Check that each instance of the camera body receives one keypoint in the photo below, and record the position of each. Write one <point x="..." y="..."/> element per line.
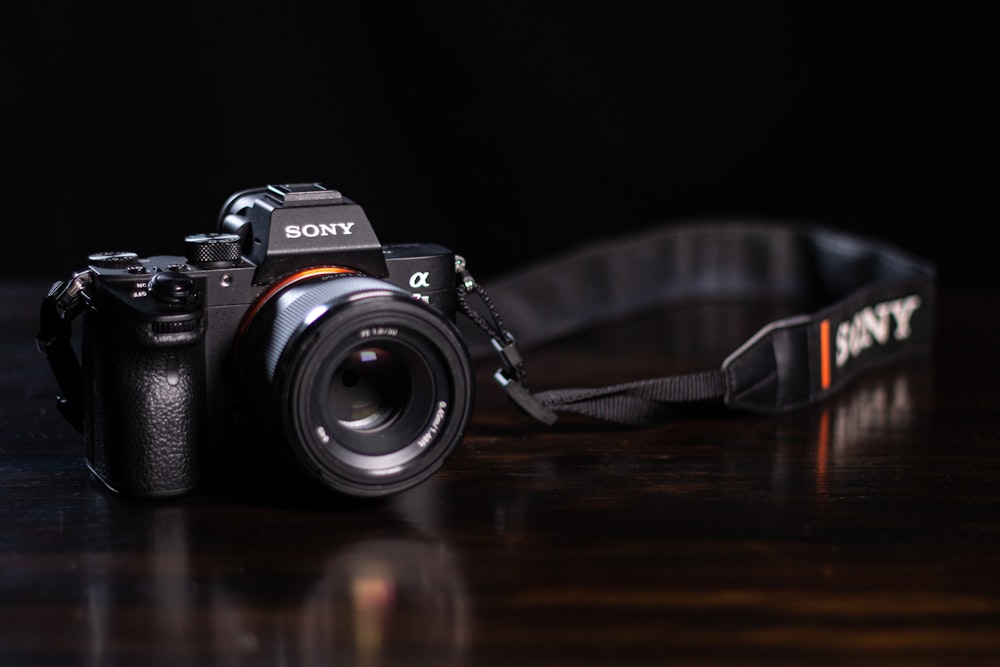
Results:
<point x="292" y="324"/>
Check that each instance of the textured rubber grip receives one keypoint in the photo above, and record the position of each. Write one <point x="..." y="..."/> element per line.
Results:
<point x="145" y="407"/>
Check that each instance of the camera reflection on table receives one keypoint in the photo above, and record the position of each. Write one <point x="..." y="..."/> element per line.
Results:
<point x="350" y="597"/>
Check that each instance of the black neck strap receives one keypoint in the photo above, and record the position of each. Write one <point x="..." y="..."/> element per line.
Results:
<point x="879" y="309"/>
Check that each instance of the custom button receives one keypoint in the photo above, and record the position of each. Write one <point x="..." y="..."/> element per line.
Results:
<point x="172" y="287"/>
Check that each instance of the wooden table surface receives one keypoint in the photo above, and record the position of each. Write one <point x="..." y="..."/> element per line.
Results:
<point x="864" y="531"/>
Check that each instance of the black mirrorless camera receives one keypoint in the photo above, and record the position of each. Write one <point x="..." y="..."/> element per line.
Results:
<point x="291" y="324"/>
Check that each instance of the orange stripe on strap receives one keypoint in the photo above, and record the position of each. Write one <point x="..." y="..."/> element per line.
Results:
<point x="824" y="353"/>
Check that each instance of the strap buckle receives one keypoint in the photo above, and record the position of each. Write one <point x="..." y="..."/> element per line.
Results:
<point x="524" y="399"/>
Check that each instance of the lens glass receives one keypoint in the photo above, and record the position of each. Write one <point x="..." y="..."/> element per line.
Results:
<point x="379" y="394"/>
<point x="369" y="389"/>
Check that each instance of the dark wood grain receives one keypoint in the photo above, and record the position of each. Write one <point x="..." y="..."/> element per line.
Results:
<point x="865" y="531"/>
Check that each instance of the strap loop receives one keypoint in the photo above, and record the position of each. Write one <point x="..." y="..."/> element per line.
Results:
<point x="64" y="302"/>
<point x="524" y="399"/>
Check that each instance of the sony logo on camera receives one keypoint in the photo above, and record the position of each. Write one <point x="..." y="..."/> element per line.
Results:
<point x="323" y="229"/>
<point x="306" y="224"/>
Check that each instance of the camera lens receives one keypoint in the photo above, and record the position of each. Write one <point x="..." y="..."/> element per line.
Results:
<point x="373" y="386"/>
<point x="369" y="388"/>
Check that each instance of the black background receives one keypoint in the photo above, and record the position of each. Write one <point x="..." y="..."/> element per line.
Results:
<point x="503" y="130"/>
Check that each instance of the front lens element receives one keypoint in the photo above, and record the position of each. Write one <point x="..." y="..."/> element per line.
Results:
<point x="370" y="388"/>
<point x="374" y="386"/>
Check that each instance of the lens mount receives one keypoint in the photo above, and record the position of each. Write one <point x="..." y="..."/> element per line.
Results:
<point x="370" y="388"/>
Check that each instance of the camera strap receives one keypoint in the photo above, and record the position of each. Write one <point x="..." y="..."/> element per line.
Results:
<point x="878" y="308"/>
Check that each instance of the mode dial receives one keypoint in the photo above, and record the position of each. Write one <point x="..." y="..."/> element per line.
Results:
<point x="114" y="259"/>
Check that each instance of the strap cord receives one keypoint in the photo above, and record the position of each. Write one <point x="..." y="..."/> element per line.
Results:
<point x="511" y="377"/>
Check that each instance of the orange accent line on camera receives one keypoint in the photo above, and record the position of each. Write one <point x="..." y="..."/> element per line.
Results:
<point x="824" y="354"/>
<point x="282" y="284"/>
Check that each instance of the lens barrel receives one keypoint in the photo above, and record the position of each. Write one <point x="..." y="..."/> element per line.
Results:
<point x="368" y="387"/>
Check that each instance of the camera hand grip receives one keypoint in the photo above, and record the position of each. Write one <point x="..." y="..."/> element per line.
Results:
<point x="146" y="407"/>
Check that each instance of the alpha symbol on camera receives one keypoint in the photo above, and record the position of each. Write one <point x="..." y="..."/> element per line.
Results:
<point x="419" y="279"/>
